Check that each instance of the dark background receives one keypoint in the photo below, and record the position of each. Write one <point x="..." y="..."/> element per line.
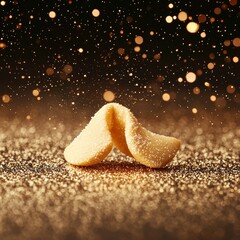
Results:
<point x="32" y="42"/>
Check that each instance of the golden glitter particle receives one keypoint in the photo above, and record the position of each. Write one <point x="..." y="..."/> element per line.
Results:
<point x="192" y="27"/>
<point x="212" y="20"/>
<point x="224" y="7"/>
<point x="3" y="3"/>
<point x="67" y="69"/>
<point x="108" y="96"/>
<point x="191" y="77"/>
<point x="137" y="49"/>
<point x="50" y="71"/>
<point x="52" y="14"/>
<point x="169" y="19"/>
<point x="151" y="33"/>
<point x="80" y="50"/>
<point x="166" y="97"/>
<point x="2" y="45"/>
<point x="170" y="5"/>
<point x="121" y="32"/>
<point x="227" y="43"/>
<point x="199" y="72"/>
<point x="213" y="98"/>
<point x="202" y="18"/>
<point x="231" y="89"/>
<point x="236" y="42"/>
<point x="233" y="2"/>
<point x="207" y="84"/>
<point x="210" y="65"/>
<point x="196" y="90"/>
<point x="182" y="16"/>
<point x="121" y="51"/>
<point x="180" y="79"/>
<point x="217" y="11"/>
<point x="139" y="40"/>
<point x="144" y="55"/>
<point x="126" y="57"/>
<point x="194" y="110"/>
<point x="203" y="34"/>
<point x="95" y="12"/>
<point x="28" y="117"/>
<point x="35" y="92"/>
<point x="38" y="98"/>
<point x="212" y="56"/>
<point x="6" y="98"/>
<point x="235" y="59"/>
<point x="157" y="57"/>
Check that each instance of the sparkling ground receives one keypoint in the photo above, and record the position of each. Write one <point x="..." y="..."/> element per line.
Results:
<point x="196" y="197"/>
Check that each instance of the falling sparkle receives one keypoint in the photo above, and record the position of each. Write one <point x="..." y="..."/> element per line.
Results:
<point x="95" y="12"/>
<point x="52" y="14"/>
<point x="192" y="27"/>
<point x="191" y="77"/>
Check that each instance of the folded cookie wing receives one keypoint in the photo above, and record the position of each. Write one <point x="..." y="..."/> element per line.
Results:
<point x="115" y="125"/>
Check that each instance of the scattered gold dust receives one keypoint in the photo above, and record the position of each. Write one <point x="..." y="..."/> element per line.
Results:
<point x="3" y="3"/>
<point x="210" y="65"/>
<point x="157" y="57"/>
<point x="6" y="98"/>
<point x="49" y="71"/>
<point x="144" y="55"/>
<point x="207" y="84"/>
<point x="139" y="40"/>
<point x="182" y="16"/>
<point x="169" y="19"/>
<point x="2" y="45"/>
<point x="196" y="90"/>
<point x="191" y="77"/>
<point x="35" y="92"/>
<point x="199" y="72"/>
<point x="202" y="18"/>
<point x="180" y="79"/>
<point x="212" y="20"/>
<point x="203" y="34"/>
<point x="137" y="49"/>
<point x="192" y="27"/>
<point x="151" y="33"/>
<point x="217" y="11"/>
<point x="194" y="110"/>
<point x="233" y="2"/>
<point x="236" y="42"/>
<point x="231" y="89"/>
<point x="170" y="5"/>
<point x="166" y="97"/>
<point x="52" y="14"/>
<point x="95" y="12"/>
<point x="213" y="98"/>
<point x="67" y="69"/>
<point x="227" y="43"/>
<point x="121" y="51"/>
<point x="235" y="59"/>
<point x="80" y="50"/>
<point x="109" y="96"/>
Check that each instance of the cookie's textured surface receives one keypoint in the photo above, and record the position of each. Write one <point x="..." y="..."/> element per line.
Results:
<point x="196" y="197"/>
<point x="114" y="124"/>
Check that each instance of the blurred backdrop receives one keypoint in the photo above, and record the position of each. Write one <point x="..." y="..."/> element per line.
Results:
<point x="161" y="55"/>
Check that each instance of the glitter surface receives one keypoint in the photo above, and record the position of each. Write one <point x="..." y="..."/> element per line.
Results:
<point x="196" y="196"/>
